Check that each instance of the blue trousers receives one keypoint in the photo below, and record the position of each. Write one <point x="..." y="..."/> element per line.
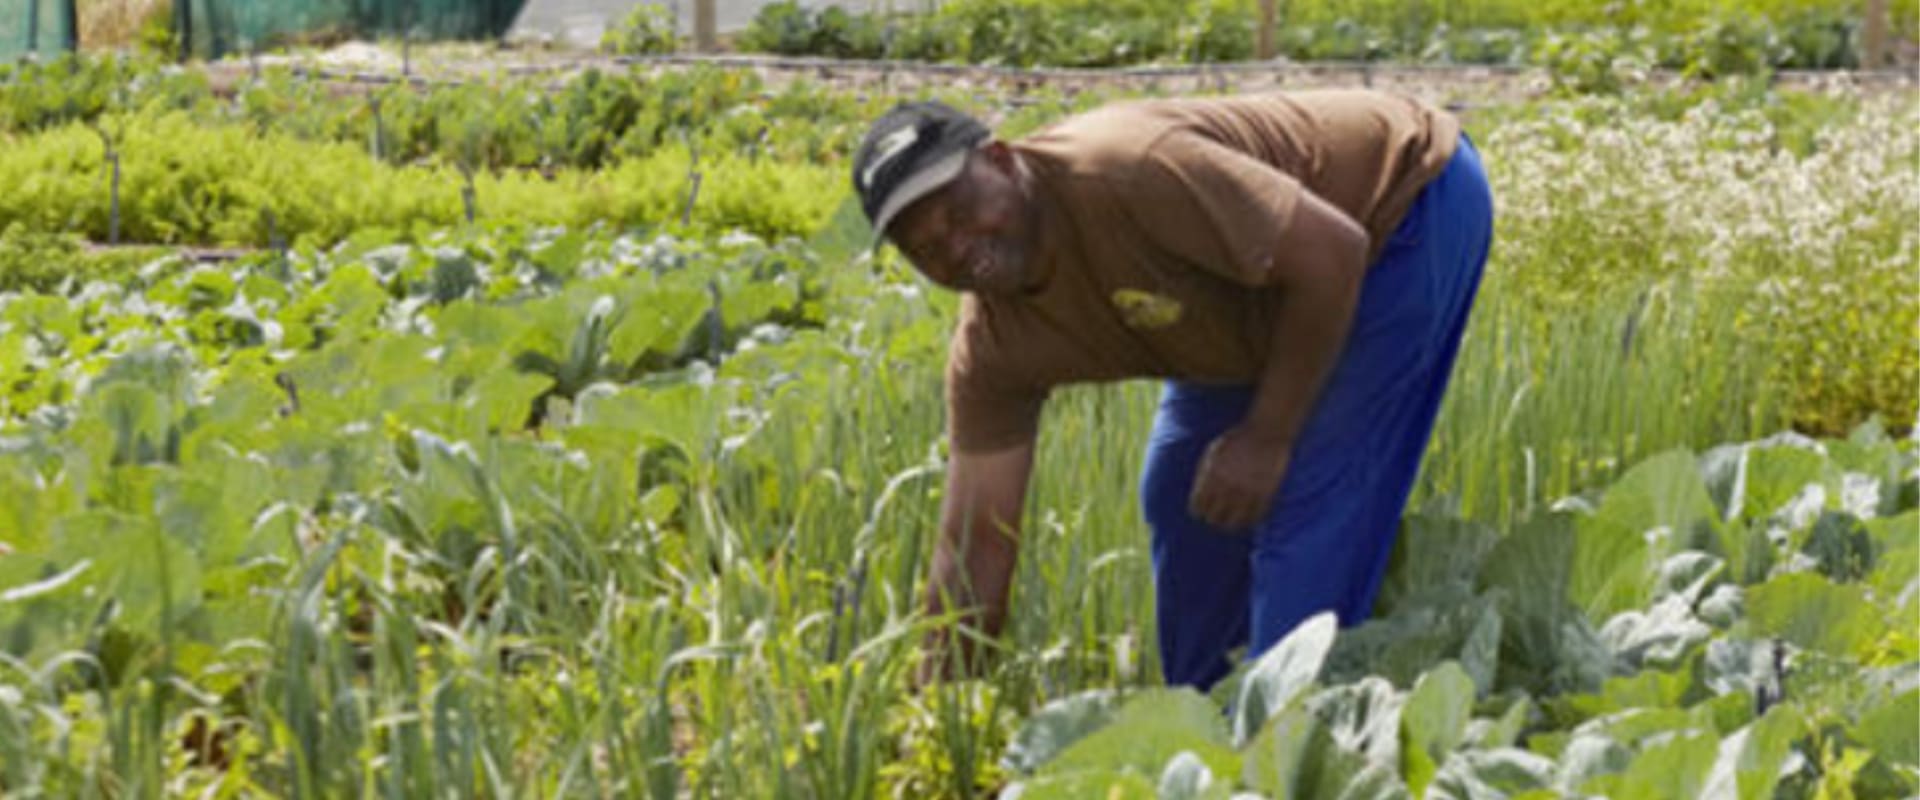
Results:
<point x="1324" y="543"/>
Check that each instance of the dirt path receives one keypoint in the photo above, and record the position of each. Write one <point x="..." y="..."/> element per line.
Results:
<point x="359" y="65"/>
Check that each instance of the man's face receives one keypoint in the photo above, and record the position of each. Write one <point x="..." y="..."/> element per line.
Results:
<point x="977" y="232"/>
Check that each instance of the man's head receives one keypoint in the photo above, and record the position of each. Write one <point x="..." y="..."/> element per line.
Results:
<point x="955" y="201"/>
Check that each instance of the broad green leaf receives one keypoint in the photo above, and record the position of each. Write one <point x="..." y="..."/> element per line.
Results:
<point x="49" y="315"/>
<point x="1547" y="645"/>
<point x="476" y="333"/>
<point x="1897" y="567"/>
<point x="198" y="511"/>
<point x="1187" y="778"/>
<point x="1286" y="748"/>
<point x="1635" y="725"/>
<point x="1087" y="785"/>
<point x="845" y="236"/>
<point x="353" y="298"/>
<point x="452" y="276"/>
<point x="1660" y="507"/>
<point x="1345" y="775"/>
<point x="1363" y="717"/>
<point x="656" y="322"/>
<point x="1892" y="729"/>
<point x="1736" y="665"/>
<point x="1815" y="613"/>
<point x="502" y="401"/>
<point x="1776" y="475"/>
<point x="1505" y="731"/>
<point x="1439" y="627"/>
<point x="1295" y="756"/>
<point x="1149" y="730"/>
<point x="1724" y="606"/>
<point x="1722" y="714"/>
<point x="1480" y="654"/>
<point x="136" y="419"/>
<point x="30" y="509"/>
<point x="242" y="414"/>
<point x="136" y="563"/>
<point x="1432" y="552"/>
<point x="1748" y="764"/>
<point x="1687" y="575"/>
<point x="1490" y="775"/>
<point x="680" y="415"/>
<point x="1750" y="553"/>
<point x="1431" y="725"/>
<point x="1664" y="491"/>
<point x="1676" y="767"/>
<point x="1586" y="757"/>
<point x="744" y="304"/>
<point x="1660" y="637"/>
<point x="1840" y="545"/>
<point x="1056" y="726"/>
<point x="1648" y="692"/>
<point x="1533" y="564"/>
<point x="1891" y="534"/>
<point x="1282" y="673"/>
<point x="1887" y="465"/>
<point x="1723" y="470"/>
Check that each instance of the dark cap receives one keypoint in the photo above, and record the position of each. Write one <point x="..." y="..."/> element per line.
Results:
<point x="911" y="151"/>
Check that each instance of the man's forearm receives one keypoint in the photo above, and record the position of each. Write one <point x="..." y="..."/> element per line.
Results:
<point x="1311" y="322"/>
<point x="978" y="546"/>
<point x="976" y="581"/>
<point x="972" y="573"/>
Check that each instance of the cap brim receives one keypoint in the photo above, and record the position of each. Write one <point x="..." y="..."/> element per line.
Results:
<point x="918" y="185"/>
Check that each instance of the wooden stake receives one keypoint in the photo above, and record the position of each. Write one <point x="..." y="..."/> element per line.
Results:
<point x="704" y="24"/>
<point x="1874" y="38"/>
<point x="1263" y="43"/>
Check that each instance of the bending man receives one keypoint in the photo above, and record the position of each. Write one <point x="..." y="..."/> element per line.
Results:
<point x="1298" y="268"/>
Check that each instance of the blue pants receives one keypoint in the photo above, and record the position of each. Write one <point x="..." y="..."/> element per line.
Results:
<point x="1324" y="543"/>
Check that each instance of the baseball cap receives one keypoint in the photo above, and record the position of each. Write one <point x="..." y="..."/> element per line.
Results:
<point x="909" y="152"/>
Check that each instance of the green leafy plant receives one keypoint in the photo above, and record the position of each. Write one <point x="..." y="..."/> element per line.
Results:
<point x="647" y="29"/>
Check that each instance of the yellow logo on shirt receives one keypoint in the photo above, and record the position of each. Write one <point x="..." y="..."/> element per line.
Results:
<point x="1146" y="310"/>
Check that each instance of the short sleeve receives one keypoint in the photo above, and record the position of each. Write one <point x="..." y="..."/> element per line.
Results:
<point x="1212" y="205"/>
<point x="989" y="407"/>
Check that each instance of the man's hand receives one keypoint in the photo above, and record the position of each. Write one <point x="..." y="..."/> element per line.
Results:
<point x="974" y="558"/>
<point x="1238" y="478"/>
<point x="1318" y="281"/>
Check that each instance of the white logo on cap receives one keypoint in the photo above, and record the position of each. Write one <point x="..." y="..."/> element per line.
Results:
<point x="892" y="145"/>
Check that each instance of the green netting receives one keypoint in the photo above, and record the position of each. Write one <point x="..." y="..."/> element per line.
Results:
<point x="43" y="26"/>
<point x="217" y="27"/>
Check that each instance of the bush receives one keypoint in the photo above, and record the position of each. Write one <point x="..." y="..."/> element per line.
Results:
<point x="1730" y="45"/>
<point x="184" y="183"/>
<point x="783" y="27"/>
<point x="648" y="29"/>
<point x="788" y="28"/>
<point x="1603" y="61"/>
<point x="1588" y="49"/>
<point x="39" y="261"/>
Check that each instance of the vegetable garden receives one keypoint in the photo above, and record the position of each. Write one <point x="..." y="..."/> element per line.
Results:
<point x="561" y="437"/>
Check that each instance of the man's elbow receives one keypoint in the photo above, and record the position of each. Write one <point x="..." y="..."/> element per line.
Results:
<point x="1347" y="244"/>
<point x="1322" y="246"/>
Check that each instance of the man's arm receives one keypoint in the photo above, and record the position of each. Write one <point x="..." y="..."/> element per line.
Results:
<point x="1316" y="275"/>
<point x="979" y="544"/>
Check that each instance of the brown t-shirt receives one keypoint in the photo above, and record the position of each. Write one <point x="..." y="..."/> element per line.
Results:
<point x="1164" y="217"/>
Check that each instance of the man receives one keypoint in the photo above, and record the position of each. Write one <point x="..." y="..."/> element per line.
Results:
<point x="1297" y="267"/>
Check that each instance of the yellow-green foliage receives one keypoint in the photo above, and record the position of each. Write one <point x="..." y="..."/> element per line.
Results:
<point x="1523" y="13"/>
<point x="213" y="184"/>
<point x="1814" y="249"/>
